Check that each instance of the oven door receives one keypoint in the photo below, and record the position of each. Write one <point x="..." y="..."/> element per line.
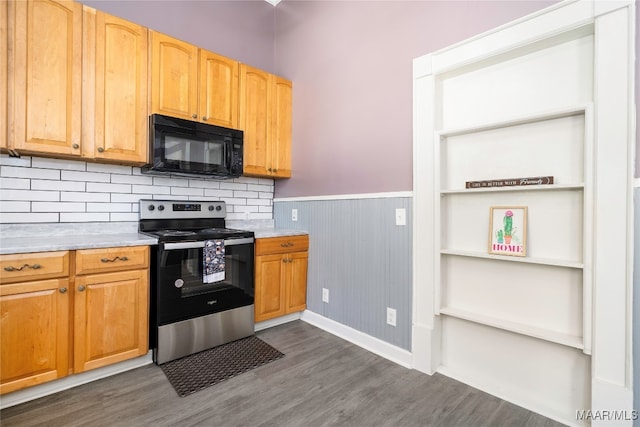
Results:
<point x="181" y="291"/>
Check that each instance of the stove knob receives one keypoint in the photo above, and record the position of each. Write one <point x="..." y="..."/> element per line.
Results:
<point x="161" y="207"/>
<point x="211" y="207"/>
<point x="218" y="208"/>
<point x="151" y="207"/>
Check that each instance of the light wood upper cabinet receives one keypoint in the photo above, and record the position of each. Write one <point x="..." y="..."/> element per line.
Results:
<point x="115" y="98"/>
<point x="265" y="118"/>
<point x="218" y="93"/>
<point x="4" y="63"/>
<point x="192" y="83"/>
<point x="45" y="78"/>
<point x="174" y="77"/>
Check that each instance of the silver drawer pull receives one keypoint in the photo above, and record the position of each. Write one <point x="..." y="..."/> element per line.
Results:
<point x="12" y="268"/>
<point x="286" y="245"/>
<point x="124" y="258"/>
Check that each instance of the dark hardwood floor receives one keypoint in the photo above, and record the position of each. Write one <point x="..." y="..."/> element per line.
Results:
<point x="322" y="381"/>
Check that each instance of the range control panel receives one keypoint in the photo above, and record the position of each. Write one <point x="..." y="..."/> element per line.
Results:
<point x="176" y="209"/>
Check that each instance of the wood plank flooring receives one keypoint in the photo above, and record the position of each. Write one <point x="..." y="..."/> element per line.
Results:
<point x="322" y="381"/>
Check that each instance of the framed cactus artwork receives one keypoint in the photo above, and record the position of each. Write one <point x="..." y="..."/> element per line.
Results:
<point x="508" y="230"/>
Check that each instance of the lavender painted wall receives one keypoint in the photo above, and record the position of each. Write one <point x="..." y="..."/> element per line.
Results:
<point x="242" y="30"/>
<point x="351" y="64"/>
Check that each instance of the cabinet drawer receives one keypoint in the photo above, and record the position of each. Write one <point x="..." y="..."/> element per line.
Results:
<point x="89" y="261"/>
<point x="33" y="266"/>
<point x="279" y="245"/>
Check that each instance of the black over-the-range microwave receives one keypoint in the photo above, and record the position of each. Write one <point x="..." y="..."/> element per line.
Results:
<point x="185" y="147"/>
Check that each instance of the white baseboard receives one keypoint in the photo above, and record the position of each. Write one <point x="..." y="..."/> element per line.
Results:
<point x="38" y="391"/>
<point x="388" y="351"/>
<point x="277" y="321"/>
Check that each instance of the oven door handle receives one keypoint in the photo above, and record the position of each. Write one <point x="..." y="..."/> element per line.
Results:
<point x="200" y="244"/>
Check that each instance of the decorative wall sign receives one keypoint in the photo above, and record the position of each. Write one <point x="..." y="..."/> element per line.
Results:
<point x="508" y="230"/>
<point x="510" y="182"/>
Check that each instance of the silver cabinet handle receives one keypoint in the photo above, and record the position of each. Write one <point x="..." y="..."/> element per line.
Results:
<point x="195" y="116"/>
<point x="12" y="268"/>
<point x="204" y="118"/>
<point x="100" y="149"/>
<point x="81" y="288"/>
<point x="76" y="146"/>
<point x="63" y="290"/>
<point x="124" y="258"/>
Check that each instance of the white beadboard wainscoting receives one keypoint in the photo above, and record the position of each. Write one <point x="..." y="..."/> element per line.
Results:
<point x="361" y="256"/>
<point x="36" y="190"/>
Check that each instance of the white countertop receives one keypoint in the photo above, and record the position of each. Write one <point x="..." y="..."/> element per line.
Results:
<point x="25" y="238"/>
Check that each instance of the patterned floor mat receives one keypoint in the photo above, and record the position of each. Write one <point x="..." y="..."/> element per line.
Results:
<point x="201" y="370"/>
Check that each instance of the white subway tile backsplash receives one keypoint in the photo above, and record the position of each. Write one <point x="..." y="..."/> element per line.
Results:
<point x="150" y="189"/>
<point x="106" y="168"/>
<point x="23" y="217"/>
<point x="108" y="207"/>
<point x="38" y="184"/>
<point x="45" y="163"/>
<point x="99" y="187"/>
<point x="84" y="197"/>
<point x="129" y="198"/>
<point x="7" y="206"/>
<point x="119" y="217"/>
<point x="84" y="217"/>
<point x="52" y="190"/>
<point x="57" y="207"/>
<point x="186" y="191"/>
<point x="51" y="196"/>
<point x="132" y="179"/>
<point x="218" y="193"/>
<point x="15" y="183"/>
<point x="19" y="172"/>
<point x="85" y="176"/>
<point x="233" y="186"/>
<point x="6" y="160"/>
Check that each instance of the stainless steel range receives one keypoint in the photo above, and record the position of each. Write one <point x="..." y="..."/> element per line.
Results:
<point x="202" y="283"/>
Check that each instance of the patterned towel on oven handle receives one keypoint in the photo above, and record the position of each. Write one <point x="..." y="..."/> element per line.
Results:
<point x="213" y="261"/>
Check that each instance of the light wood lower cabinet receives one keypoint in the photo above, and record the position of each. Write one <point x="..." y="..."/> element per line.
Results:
<point x="57" y="320"/>
<point x="281" y="276"/>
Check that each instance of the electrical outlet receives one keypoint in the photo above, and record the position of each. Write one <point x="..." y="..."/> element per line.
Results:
<point x="325" y="295"/>
<point x="294" y="214"/>
<point x="391" y="316"/>
<point x="401" y="216"/>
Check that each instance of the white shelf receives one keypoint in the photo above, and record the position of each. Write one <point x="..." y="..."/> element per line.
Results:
<point x="519" y="120"/>
<point x="519" y="328"/>
<point x="551" y="187"/>
<point x="529" y="260"/>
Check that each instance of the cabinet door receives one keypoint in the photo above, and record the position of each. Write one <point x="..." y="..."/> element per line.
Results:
<point x="281" y="127"/>
<point x="218" y="93"/>
<point x="111" y="318"/>
<point x="4" y="62"/>
<point x="254" y="120"/>
<point x="34" y="328"/>
<point x="117" y="67"/>
<point x="297" y="281"/>
<point x="269" y="287"/>
<point x="174" y="77"/>
<point x="46" y="76"/>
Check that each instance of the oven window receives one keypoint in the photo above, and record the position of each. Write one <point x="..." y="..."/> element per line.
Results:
<point x="182" y="149"/>
<point x="183" y="271"/>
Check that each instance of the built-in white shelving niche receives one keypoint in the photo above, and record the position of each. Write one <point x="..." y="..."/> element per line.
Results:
<point x="546" y="294"/>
